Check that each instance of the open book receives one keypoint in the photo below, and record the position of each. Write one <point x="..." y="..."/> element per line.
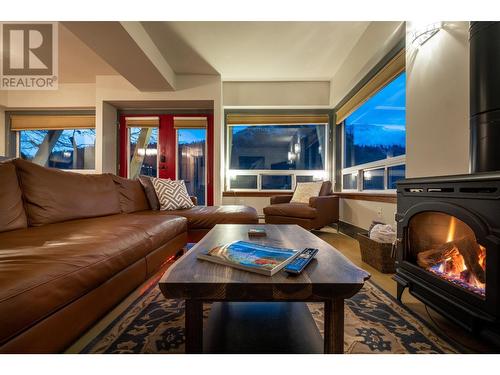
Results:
<point x="253" y="257"/>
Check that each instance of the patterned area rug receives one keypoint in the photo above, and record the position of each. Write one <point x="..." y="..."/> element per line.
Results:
<point x="374" y="323"/>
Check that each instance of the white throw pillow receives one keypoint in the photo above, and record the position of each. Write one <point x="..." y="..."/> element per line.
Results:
<point x="172" y="194"/>
<point x="306" y="190"/>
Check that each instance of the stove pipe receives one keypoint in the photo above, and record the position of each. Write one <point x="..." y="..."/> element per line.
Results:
<point x="485" y="96"/>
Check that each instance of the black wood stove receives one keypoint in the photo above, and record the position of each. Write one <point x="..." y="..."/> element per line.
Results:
<point x="448" y="251"/>
<point x="449" y="246"/>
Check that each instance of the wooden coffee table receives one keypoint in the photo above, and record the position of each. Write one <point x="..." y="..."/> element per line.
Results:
<point x="329" y="278"/>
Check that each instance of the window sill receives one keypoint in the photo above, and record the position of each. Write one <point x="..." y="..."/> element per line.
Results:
<point x="372" y="197"/>
<point x="255" y="193"/>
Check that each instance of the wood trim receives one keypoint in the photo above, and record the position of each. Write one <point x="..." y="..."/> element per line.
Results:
<point x="255" y="193"/>
<point x="167" y="142"/>
<point x="190" y="122"/>
<point x="143" y="122"/>
<point x="385" y="198"/>
<point x="390" y="71"/>
<point x="51" y="122"/>
<point x="210" y="162"/>
<point x="350" y="229"/>
<point x="123" y="145"/>
<point x="267" y="119"/>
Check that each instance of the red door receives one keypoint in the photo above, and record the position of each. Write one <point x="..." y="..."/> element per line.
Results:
<point x="151" y="145"/>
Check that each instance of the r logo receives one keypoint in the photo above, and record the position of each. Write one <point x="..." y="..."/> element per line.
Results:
<point x="28" y="56"/>
<point x="27" y="49"/>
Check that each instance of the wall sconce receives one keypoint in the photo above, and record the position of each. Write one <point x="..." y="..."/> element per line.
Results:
<point x="291" y="156"/>
<point x="423" y="33"/>
<point x="296" y="148"/>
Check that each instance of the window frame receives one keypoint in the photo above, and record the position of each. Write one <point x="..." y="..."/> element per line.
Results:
<point x="361" y="168"/>
<point x="157" y="152"/>
<point x="205" y="174"/>
<point x="82" y="171"/>
<point x="318" y="174"/>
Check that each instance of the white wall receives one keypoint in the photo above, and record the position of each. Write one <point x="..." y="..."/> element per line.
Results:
<point x="109" y="137"/>
<point x="257" y="202"/>
<point x="362" y="213"/>
<point x="437" y="102"/>
<point x="298" y="93"/>
<point x="69" y="95"/>
<point x="378" y="39"/>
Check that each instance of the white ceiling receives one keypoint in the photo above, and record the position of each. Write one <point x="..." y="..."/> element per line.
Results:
<point x="238" y="51"/>
<point x="256" y="50"/>
<point x="77" y="62"/>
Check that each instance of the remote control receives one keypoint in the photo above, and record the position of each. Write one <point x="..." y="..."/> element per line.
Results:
<point x="297" y="265"/>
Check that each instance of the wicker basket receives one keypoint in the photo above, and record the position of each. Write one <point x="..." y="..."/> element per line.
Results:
<point x="376" y="254"/>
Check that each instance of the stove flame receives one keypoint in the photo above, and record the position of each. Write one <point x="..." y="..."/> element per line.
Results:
<point x="454" y="270"/>
<point x="451" y="229"/>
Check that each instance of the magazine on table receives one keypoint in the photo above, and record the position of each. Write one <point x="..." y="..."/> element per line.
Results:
<point x="249" y="256"/>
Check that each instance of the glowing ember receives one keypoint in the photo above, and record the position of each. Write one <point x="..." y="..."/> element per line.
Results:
<point x="454" y="270"/>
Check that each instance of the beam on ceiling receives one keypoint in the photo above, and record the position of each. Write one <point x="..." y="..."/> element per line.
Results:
<point x="127" y="47"/>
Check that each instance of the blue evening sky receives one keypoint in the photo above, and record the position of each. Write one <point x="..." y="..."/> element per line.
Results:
<point x="191" y="135"/>
<point x="381" y="119"/>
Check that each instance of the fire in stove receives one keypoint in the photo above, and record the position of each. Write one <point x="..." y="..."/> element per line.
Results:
<point x="460" y="261"/>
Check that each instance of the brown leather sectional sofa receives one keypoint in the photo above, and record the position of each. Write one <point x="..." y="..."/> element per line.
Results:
<point x="72" y="246"/>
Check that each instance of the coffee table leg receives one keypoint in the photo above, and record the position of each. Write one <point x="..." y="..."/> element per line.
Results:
<point x="194" y="326"/>
<point x="334" y="326"/>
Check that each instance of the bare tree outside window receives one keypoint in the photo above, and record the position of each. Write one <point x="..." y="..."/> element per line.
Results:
<point x="63" y="149"/>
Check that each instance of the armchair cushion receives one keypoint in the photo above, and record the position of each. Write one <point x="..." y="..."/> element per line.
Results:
<point x="276" y="199"/>
<point x="306" y="190"/>
<point x="326" y="188"/>
<point x="299" y="210"/>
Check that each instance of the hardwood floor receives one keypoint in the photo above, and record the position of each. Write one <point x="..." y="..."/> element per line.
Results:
<point x="350" y="248"/>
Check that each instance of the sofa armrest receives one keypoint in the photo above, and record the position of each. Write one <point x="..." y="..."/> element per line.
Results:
<point x="276" y="199"/>
<point x="327" y="207"/>
<point x="194" y="200"/>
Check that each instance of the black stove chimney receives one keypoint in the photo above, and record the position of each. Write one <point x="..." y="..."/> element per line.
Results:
<point x="485" y="96"/>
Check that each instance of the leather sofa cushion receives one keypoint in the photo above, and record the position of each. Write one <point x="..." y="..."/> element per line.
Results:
<point x="147" y="184"/>
<point x="206" y="217"/>
<point x="300" y="210"/>
<point x="45" y="268"/>
<point x="171" y="226"/>
<point x="132" y="195"/>
<point x="12" y="215"/>
<point x="52" y="196"/>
